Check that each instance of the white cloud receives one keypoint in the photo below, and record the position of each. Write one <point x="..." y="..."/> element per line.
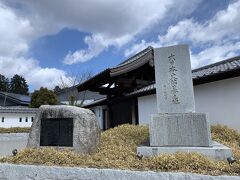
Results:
<point x="96" y="44"/>
<point x="217" y="38"/>
<point x="110" y="23"/>
<point x="215" y="53"/>
<point x="13" y="30"/>
<point x="32" y="72"/>
<point x="47" y="77"/>
<point x="17" y="32"/>
<point x="140" y="46"/>
<point x="109" y="18"/>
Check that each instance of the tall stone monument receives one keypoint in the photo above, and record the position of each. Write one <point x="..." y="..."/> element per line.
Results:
<point x="176" y="126"/>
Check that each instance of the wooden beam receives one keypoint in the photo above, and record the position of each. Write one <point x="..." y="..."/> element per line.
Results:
<point x="142" y="82"/>
<point x="151" y="63"/>
<point x="110" y="91"/>
<point x="102" y="90"/>
<point x="125" y="80"/>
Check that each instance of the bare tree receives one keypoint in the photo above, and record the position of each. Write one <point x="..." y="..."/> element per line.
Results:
<point x="69" y="86"/>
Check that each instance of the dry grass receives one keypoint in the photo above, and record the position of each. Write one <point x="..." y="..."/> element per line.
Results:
<point x="14" y="130"/>
<point x="118" y="150"/>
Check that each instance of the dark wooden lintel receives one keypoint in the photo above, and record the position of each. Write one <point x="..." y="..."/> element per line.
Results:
<point x="125" y="80"/>
<point x="142" y="82"/>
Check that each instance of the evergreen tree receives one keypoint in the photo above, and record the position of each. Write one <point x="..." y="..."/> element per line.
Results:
<point x="4" y="83"/>
<point x="18" y="85"/>
<point x="43" y="97"/>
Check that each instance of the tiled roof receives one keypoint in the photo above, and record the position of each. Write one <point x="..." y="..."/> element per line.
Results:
<point x="228" y="65"/>
<point x="222" y="66"/>
<point x="209" y="70"/>
<point x="216" y="68"/>
<point x="18" y="97"/>
<point x="17" y="109"/>
<point x="120" y="67"/>
<point x="135" y="57"/>
<point x="142" y="90"/>
<point x="97" y="101"/>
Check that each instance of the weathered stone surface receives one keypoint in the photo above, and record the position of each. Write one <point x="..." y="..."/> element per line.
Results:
<point x="27" y="172"/>
<point x="86" y="131"/>
<point x="216" y="150"/>
<point x="173" y="76"/>
<point x="180" y="129"/>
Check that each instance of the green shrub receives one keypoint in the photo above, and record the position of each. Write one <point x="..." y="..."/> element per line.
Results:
<point x="43" y="96"/>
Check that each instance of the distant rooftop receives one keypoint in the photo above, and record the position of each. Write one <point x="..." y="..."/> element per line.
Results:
<point x="18" y="109"/>
<point x="216" y="68"/>
<point x="21" y="99"/>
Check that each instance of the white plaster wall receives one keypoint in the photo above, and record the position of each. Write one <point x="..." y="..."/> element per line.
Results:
<point x="12" y="120"/>
<point x="147" y="105"/>
<point x="219" y="99"/>
<point x="98" y="110"/>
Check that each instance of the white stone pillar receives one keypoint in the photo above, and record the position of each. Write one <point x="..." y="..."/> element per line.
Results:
<point x="173" y="77"/>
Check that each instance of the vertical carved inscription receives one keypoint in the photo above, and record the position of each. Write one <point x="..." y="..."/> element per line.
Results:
<point x="173" y="79"/>
<point x="165" y="91"/>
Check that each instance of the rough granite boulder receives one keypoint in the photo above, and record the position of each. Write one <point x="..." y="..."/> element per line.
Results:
<point x="85" y="130"/>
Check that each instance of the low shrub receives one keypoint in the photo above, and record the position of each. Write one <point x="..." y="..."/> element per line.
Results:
<point x="118" y="150"/>
<point x="224" y="134"/>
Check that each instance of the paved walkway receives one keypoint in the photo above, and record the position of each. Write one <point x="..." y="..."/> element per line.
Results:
<point x="10" y="141"/>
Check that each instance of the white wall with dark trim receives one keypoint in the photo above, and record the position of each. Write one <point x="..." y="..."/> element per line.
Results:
<point x="8" y="120"/>
<point x="98" y="111"/>
<point x="219" y="99"/>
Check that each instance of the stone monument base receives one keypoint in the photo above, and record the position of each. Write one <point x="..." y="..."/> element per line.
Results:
<point x="180" y="129"/>
<point x="216" y="151"/>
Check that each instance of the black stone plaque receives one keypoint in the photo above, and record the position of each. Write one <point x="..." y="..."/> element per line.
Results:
<point x="56" y="132"/>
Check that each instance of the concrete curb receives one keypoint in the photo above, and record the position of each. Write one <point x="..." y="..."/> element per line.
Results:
<point x="27" y="172"/>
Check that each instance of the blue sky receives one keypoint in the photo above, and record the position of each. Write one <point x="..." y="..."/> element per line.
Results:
<point x="47" y="41"/>
<point x="52" y="50"/>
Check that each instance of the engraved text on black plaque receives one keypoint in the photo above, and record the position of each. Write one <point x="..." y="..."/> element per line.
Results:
<point x="56" y="132"/>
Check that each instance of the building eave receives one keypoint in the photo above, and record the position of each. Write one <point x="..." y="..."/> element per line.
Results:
<point x="130" y="64"/>
<point x="225" y="69"/>
<point x="102" y="76"/>
<point x="139" y="60"/>
<point x="217" y="77"/>
<point x="13" y="99"/>
<point x="97" y="102"/>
